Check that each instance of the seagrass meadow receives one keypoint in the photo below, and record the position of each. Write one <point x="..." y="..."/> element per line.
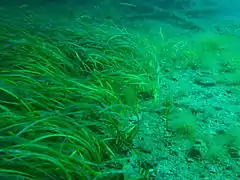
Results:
<point x="67" y="98"/>
<point x="113" y="90"/>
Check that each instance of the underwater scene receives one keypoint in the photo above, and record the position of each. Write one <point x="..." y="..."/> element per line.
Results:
<point x="120" y="90"/>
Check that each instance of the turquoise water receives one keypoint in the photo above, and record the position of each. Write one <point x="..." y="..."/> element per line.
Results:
<point x="196" y="44"/>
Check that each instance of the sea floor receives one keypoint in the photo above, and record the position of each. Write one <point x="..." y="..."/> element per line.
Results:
<point x="208" y="96"/>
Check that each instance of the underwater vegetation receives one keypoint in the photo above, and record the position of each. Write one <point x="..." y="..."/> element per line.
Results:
<point x="66" y="100"/>
<point x="74" y="102"/>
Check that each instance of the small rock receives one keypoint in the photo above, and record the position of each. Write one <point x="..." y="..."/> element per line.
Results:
<point x="205" y="81"/>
